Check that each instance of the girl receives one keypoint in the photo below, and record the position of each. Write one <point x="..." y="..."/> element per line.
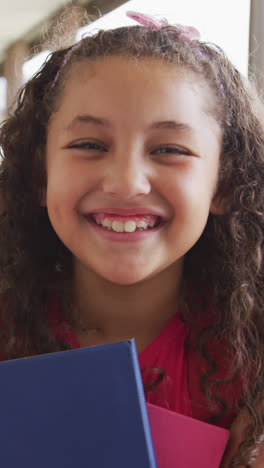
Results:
<point x="132" y="206"/>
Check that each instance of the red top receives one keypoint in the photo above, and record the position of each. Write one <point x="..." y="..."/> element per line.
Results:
<point x="166" y="352"/>
<point x="179" y="389"/>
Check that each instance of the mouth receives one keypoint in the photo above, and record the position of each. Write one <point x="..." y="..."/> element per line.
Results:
<point x="125" y="224"/>
<point x="125" y="229"/>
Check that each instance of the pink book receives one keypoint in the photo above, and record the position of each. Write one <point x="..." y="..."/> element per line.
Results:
<point x="183" y="442"/>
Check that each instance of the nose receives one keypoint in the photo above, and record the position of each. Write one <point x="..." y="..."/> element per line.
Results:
<point x="126" y="176"/>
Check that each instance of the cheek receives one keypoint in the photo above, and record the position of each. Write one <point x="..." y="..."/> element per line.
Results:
<point x="66" y="182"/>
<point x="61" y="197"/>
<point x="188" y="188"/>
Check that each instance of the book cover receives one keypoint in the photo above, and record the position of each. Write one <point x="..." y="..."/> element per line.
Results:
<point x="79" y="408"/>
<point x="184" y="442"/>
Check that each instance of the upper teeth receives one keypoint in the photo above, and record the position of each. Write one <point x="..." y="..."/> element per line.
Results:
<point x="128" y="226"/>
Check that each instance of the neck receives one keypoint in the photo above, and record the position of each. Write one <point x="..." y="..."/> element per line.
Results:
<point x="119" y="312"/>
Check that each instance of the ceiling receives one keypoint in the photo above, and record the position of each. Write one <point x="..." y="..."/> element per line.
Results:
<point x="20" y="18"/>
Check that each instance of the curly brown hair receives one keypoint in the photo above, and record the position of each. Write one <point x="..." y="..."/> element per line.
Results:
<point x="228" y="256"/>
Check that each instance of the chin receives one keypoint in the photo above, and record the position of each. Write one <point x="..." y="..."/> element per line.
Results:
<point x="124" y="279"/>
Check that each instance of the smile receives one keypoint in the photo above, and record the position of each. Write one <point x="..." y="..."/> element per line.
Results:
<point x="130" y="229"/>
<point x="127" y="224"/>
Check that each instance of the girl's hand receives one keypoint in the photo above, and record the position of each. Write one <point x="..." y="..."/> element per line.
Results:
<point x="237" y="435"/>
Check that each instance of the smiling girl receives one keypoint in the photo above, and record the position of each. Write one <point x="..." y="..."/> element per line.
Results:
<point x="132" y="206"/>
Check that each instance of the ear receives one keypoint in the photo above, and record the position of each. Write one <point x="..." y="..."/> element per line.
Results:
<point x="219" y="205"/>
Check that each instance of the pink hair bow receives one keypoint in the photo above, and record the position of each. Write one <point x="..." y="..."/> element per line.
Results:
<point x="185" y="32"/>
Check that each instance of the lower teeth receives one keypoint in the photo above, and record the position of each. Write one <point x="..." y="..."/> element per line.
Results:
<point x="138" y="229"/>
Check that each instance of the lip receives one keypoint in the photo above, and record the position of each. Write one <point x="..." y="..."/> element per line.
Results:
<point x="129" y="212"/>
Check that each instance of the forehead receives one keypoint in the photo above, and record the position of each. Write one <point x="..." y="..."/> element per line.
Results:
<point x="150" y="72"/>
<point x="142" y="86"/>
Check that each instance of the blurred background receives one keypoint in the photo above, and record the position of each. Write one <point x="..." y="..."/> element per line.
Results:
<point x="30" y="29"/>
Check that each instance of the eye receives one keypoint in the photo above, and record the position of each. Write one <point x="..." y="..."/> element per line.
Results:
<point x="167" y="149"/>
<point x="88" y="145"/>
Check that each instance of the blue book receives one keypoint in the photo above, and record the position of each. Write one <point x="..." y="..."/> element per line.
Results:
<point x="83" y="408"/>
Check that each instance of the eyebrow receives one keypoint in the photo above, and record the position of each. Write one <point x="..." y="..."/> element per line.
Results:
<point x="171" y="124"/>
<point x="90" y="119"/>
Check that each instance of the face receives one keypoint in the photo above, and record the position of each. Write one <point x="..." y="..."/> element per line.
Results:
<point x="130" y="142"/>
